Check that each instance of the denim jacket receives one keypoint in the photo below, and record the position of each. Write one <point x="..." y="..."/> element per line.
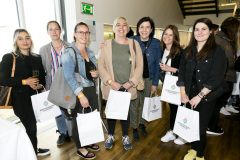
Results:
<point x="68" y="66"/>
<point x="154" y="55"/>
<point x="209" y="73"/>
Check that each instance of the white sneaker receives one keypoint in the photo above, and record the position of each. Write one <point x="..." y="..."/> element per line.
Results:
<point x="180" y="141"/>
<point x="168" y="136"/>
<point x="231" y="109"/>
<point x="224" y="111"/>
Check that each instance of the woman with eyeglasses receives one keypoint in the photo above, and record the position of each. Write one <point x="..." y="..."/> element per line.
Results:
<point x="85" y="91"/>
<point x="23" y="84"/>
<point x="120" y="66"/>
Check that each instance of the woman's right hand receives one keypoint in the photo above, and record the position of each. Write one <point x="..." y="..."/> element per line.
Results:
<point x="115" y="86"/>
<point x="184" y="98"/>
<point x="32" y="81"/>
<point x="84" y="102"/>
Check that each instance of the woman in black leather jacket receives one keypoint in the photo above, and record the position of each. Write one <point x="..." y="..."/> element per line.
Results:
<point x="170" y="63"/>
<point x="201" y="79"/>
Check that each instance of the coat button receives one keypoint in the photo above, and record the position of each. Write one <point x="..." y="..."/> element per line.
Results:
<point x="199" y="80"/>
<point x="206" y="61"/>
<point x="205" y="99"/>
<point x="198" y="70"/>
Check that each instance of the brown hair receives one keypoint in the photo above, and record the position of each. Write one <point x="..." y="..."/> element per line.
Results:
<point x="208" y="46"/>
<point x="230" y="27"/>
<point x="175" y="49"/>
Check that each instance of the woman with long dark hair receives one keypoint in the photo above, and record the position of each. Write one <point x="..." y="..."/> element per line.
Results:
<point x="201" y="79"/>
<point x="23" y="85"/>
<point x="170" y="63"/>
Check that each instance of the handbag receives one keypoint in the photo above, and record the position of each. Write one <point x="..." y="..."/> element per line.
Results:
<point x="43" y="109"/>
<point x="152" y="108"/>
<point x="162" y="74"/>
<point x="60" y="92"/>
<point x="170" y="91"/>
<point x="89" y="128"/>
<point x="117" y="106"/>
<point x="5" y="91"/>
<point x="187" y="124"/>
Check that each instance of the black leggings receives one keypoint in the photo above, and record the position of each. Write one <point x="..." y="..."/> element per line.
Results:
<point x="29" y="122"/>
<point x="173" y="113"/>
<point x="91" y="95"/>
<point x="124" y="124"/>
<point x="221" y="102"/>
<point x="205" y="112"/>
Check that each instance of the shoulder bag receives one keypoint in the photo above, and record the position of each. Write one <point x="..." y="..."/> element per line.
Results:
<point x="5" y="91"/>
<point x="60" y="92"/>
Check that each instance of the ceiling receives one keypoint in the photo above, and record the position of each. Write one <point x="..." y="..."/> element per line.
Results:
<point x="201" y="7"/>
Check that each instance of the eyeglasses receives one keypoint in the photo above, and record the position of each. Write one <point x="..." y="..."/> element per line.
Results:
<point x="82" y="33"/>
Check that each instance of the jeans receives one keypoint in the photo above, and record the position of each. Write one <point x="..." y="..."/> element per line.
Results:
<point x="61" y="123"/>
<point x="134" y="116"/>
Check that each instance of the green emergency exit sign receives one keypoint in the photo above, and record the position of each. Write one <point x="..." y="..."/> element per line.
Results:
<point x="87" y="8"/>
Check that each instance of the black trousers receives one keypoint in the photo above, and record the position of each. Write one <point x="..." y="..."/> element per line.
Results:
<point x="173" y="113"/>
<point x="91" y="95"/>
<point x="29" y="122"/>
<point x="221" y="101"/>
<point x="124" y="124"/>
<point x="205" y="112"/>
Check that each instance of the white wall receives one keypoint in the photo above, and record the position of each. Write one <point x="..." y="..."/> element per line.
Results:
<point x="163" y="12"/>
<point x="189" y="21"/>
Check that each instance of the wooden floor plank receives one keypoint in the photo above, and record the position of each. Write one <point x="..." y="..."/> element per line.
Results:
<point x="224" y="147"/>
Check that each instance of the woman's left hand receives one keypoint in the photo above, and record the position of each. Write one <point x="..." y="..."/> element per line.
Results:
<point x="165" y="67"/>
<point x="195" y="101"/>
<point x="127" y="85"/>
<point x="35" y="87"/>
<point x="94" y="74"/>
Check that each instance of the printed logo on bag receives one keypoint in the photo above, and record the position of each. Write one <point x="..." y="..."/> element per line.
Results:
<point x="154" y="107"/>
<point x="67" y="98"/>
<point x="185" y="120"/>
<point x="45" y="103"/>
<point x="173" y="87"/>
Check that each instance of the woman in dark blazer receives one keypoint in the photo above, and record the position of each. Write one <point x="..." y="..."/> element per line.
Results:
<point x="23" y="85"/>
<point x="170" y="63"/>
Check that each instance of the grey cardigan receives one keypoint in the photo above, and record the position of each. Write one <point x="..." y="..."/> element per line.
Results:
<point x="45" y="52"/>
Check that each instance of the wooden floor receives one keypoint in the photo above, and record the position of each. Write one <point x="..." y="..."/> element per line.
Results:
<point x="224" y="147"/>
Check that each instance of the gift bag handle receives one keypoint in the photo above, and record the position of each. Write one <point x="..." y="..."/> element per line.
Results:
<point x="42" y="87"/>
<point x="84" y="108"/>
<point x="156" y="95"/>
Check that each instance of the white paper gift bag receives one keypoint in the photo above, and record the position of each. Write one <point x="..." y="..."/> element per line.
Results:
<point x="152" y="108"/>
<point x="170" y="91"/>
<point x="43" y="109"/>
<point x="90" y="128"/>
<point x="187" y="124"/>
<point x="118" y="105"/>
<point x="236" y="85"/>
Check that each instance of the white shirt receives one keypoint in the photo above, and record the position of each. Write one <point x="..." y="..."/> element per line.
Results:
<point x="164" y="59"/>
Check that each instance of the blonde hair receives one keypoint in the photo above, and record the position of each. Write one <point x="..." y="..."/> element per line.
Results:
<point x="15" y="36"/>
<point x="117" y="20"/>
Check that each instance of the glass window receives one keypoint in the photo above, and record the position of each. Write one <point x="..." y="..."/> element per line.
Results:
<point x="8" y="24"/>
<point x="37" y="14"/>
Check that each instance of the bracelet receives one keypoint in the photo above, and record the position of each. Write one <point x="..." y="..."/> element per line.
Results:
<point x="182" y="92"/>
<point x="24" y="82"/>
<point x="109" y="81"/>
<point x="200" y="97"/>
<point x="80" y="95"/>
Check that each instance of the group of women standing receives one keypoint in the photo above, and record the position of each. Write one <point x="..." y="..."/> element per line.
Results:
<point x="123" y="63"/>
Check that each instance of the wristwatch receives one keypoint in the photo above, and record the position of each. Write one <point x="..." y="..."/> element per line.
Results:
<point x="202" y="94"/>
<point x="130" y="82"/>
